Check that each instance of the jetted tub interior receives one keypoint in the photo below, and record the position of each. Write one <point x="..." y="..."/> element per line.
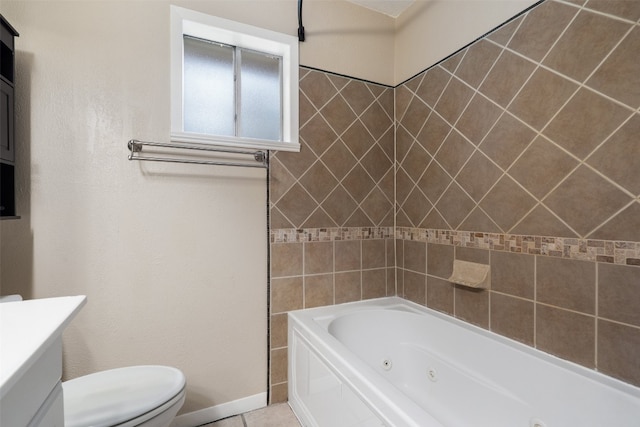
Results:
<point x="390" y="362"/>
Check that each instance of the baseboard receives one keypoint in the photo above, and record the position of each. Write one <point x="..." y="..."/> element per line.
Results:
<point x="218" y="412"/>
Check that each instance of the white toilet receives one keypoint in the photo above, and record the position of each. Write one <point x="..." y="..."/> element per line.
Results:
<point x="146" y="396"/>
<point x="135" y="396"/>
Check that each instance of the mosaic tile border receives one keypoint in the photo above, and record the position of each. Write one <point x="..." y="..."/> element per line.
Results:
<point x="606" y="251"/>
<point x="292" y="235"/>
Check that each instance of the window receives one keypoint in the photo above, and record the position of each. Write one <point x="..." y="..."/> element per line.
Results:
<point x="232" y="84"/>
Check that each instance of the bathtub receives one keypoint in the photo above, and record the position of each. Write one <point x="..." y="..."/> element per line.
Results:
<point x="390" y="362"/>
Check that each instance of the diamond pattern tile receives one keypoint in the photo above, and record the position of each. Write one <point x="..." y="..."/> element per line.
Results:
<point x="541" y="167"/>
<point x="504" y="117"/>
<point x="376" y="162"/>
<point x="318" y="88"/>
<point x="358" y="96"/>
<point x="358" y="183"/>
<point x="541" y="97"/>
<point x="619" y="157"/>
<point x="416" y="206"/>
<point x="454" y="152"/>
<point x="506" y="203"/>
<point x="507" y="76"/>
<point x="478" y="118"/>
<point x="454" y="100"/>
<point x="586" y="120"/>
<point x="477" y="62"/>
<point x="416" y="115"/>
<point x="541" y="28"/>
<point x="619" y="75"/>
<point x="434" y="82"/>
<point x="435" y="130"/>
<point x="507" y="140"/>
<point x="434" y="181"/>
<point x="376" y="119"/>
<point x="280" y="180"/>
<point x="628" y="9"/>
<point x="434" y="220"/>
<point x="414" y="162"/>
<point x="339" y="114"/>
<point x="339" y="205"/>
<point x="358" y="139"/>
<point x="584" y="44"/>
<point x="318" y="134"/>
<point x="318" y="181"/>
<point x="339" y="160"/>
<point x="623" y="226"/>
<point x="599" y="200"/>
<point x="342" y="162"/>
<point x="479" y="220"/>
<point x="478" y="176"/>
<point x="542" y="222"/>
<point x="377" y="206"/>
<point x="455" y="205"/>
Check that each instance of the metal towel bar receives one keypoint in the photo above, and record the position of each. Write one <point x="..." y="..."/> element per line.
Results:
<point x="135" y="148"/>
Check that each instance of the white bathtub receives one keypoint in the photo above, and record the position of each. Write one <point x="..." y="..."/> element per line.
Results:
<point x="390" y="362"/>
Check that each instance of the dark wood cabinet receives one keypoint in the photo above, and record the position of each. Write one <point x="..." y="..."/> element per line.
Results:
<point x="7" y="133"/>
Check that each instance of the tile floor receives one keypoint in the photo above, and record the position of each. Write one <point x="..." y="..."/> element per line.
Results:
<point x="279" y="415"/>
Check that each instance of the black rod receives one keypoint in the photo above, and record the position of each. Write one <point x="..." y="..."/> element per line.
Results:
<point x="300" y="26"/>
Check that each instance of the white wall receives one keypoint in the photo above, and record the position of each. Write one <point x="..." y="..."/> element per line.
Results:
<point x="173" y="258"/>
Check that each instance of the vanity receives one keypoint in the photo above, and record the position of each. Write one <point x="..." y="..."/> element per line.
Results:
<point x="31" y="360"/>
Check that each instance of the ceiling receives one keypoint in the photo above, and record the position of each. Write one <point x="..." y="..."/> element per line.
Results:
<point x="391" y="8"/>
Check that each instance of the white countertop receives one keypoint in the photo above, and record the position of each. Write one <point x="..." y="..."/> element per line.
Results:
<point x="27" y="328"/>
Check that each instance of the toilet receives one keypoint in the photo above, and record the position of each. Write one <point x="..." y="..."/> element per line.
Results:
<point x="145" y="396"/>
<point x="135" y="396"/>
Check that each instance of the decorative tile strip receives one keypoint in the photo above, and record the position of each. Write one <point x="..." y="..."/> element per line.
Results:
<point x="291" y="235"/>
<point x="607" y="251"/>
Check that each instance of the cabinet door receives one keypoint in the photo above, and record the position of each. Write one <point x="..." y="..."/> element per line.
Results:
<point x="6" y="122"/>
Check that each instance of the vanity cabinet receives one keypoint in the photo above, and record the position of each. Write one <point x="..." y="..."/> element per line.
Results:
<point x="7" y="133"/>
<point x="31" y="360"/>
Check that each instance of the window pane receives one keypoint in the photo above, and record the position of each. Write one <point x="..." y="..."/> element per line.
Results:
<point x="209" y="93"/>
<point x="260" y="96"/>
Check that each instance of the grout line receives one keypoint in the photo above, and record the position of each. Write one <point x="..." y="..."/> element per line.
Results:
<point x="535" y="301"/>
<point x="597" y="310"/>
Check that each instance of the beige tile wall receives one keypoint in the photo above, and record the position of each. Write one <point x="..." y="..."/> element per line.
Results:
<point x="341" y="181"/>
<point x="508" y="134"/>
<point x="306" y="274"/>
<point x="582" y="311"/>
<point x="523" y="152"/>
<point x="520" y="151"/>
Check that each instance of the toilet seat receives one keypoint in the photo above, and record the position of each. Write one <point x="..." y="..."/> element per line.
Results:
<point x="121" y="397"/>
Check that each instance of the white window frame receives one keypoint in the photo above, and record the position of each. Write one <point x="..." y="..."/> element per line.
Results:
<point x="207" y="27"/>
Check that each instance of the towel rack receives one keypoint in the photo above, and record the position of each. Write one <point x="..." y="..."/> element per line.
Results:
<point x="135" y="148"/>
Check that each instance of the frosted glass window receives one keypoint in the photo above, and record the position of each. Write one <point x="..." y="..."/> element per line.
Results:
<point x="232" y="84"/>
<point x="260" y="96"/>
<point x="209" y="94"/>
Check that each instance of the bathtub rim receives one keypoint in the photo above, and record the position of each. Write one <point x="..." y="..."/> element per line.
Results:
<point x="335" y="356"/>
<point x="317" y="321"/>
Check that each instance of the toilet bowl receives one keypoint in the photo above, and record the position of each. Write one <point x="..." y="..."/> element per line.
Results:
<point x="141" y="396"/>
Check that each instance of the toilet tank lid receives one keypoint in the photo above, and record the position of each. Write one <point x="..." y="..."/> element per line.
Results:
<point x="115" y="396"/>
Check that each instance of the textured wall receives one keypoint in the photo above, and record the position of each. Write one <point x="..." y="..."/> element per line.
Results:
<point x="149" y="244"/>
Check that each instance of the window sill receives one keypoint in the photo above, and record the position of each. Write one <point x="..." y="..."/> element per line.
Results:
<point x="234" y="142"/>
